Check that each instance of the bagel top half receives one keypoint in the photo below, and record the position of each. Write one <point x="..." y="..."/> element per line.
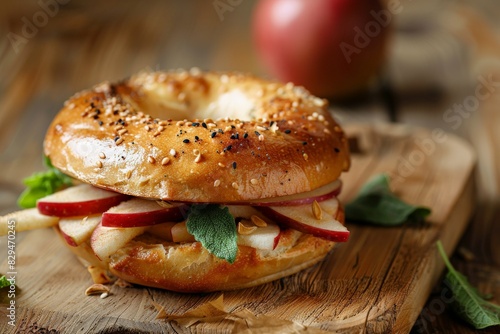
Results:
<point x="193" y="136"/>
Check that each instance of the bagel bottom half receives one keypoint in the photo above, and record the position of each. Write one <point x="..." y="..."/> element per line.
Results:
<point x="189" y="267"/>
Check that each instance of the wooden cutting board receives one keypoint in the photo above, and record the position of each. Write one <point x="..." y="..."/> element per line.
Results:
<point x="377" y="282"/>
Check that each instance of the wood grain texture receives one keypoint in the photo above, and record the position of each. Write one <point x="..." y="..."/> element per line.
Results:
<point x="375" y="283"/>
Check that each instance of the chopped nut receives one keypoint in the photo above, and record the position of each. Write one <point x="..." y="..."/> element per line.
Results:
<point x="245" y="229"/>
<point x="258" y="221"/>
<point x="316" y="209"/>
<point x="96" y="289"/>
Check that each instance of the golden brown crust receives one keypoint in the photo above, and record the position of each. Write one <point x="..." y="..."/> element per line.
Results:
<point x="131" y="137"/>
<point x="191" y="268"/>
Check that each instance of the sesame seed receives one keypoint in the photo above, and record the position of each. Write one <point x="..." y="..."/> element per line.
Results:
<point x="118" y="140"/>
<point x="122" y="131"/>
<point x="99" y="163"/>
<point x="234" y="165"/>
<point x="173" y="152"/>
<point x="147" y="127"/>
<point x="179" y="123"/>
<point x="336" y="149"/>
<point x="216" y="183"/>
<point x="245" y="135"/>
<point x="261" y="137"/>
<point x="287" y="131"/>
<point x="254" y="181"/>
<point x="185" y="141"/>
<point x="156" y="134"/>
<point x="151" y="159"/>
<point x="165" y="161"/>
<point x="129" y="174"/>
<point x="198" y="158"/>
<point x="102" y="155"/>
<point x="160" y="128"/>
<point x="305" y="156"/>
<point x="204" y="125"/>
<point x="196" y="151"/>
<point x="234" y="185"/>
<point x="213" y="134"/>
<point x="221" y="164"/>
<point x="228" y="148"/>
<point x="261" y="128"/>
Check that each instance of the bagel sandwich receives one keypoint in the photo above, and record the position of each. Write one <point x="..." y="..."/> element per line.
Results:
<point x="196" y="181"/>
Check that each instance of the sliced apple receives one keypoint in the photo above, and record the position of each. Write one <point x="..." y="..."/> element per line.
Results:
<point x="78" y="230"/>
<point x="320" y="194"/>
<point x="302" y="218"/>
<point x="25" y="220"/>
<point x="266" y="237"/>
<point x="163" y="230"/>
<point x="105" y="241"/>
<point x="141" y="212"/>
<point x="180" y="233"/>
<point x="81" y="200"/>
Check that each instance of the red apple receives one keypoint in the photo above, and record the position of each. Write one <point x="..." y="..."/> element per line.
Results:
<point x="105" y="241"/>
<point x="77" y="230"/>
<point x="142" y="212"/>
<point x="332" y="47"/>
<point x="81" y="200"/>
<point x="301" y="218"/>
<point x="320" y="194"/>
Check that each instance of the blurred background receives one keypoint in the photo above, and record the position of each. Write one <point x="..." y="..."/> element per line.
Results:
<point x="431" y="63"/>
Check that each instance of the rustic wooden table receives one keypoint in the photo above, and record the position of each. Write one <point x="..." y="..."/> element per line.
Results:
<point x="442" y="56"/>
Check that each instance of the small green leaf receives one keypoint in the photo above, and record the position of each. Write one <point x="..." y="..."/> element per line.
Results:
<point x="467" y="301"/>
<point x="215" y="228"/>
<point x="4" y="282"/>
<point x="377" y="204"/>
<point x="42" y="184"/>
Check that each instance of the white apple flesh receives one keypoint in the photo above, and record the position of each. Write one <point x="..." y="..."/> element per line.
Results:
<point x="301" y="218"/>
<point x="81" y="200"/>
<point x="28" y="219"/>
<point x="105" y="241"/>
<point x="140" y="212"/>
<point x="180" y="233"/>
<point x="163" y="230"/>
<point x="266" y="237"/>
<point x="78" y="230"/>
